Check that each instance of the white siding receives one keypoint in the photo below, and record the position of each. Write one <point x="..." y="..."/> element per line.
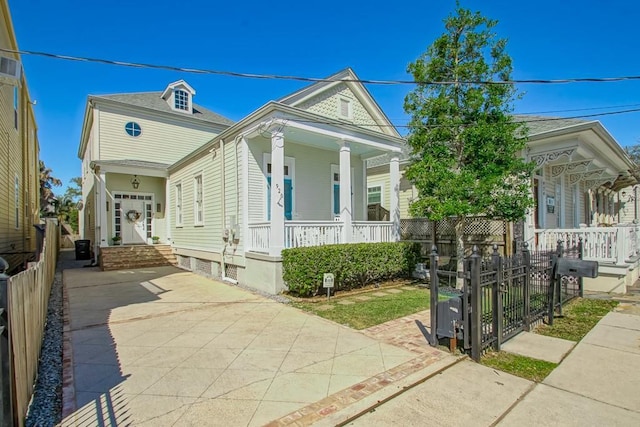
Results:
<point x="312" y="190"/>
<point x="326" y="104"/>
<point x="207" y="237"/>
<point x="380" y="175"/>
<point x="162" y="140"/>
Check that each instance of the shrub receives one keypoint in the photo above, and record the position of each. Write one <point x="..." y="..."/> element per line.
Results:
<point x="354" y="265"/>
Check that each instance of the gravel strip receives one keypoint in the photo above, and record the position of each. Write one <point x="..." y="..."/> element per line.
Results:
<point x="46" y="405"/>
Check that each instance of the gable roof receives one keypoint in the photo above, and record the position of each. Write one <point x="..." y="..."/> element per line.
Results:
<point x="154" y="101"/>
<point x="346" y="76"/>
<point x="545" y="124"/>
<point x="179" y="83"/>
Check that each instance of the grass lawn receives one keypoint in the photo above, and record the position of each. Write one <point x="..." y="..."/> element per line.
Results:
<point x="520" y="366"/>
<point x="580" y="316"/>
<point x="363" y="314"/>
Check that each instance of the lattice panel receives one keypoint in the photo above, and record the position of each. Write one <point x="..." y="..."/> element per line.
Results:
<point x="203" y="266"/>
<point x="416" y="229"/>
<point x="184" y="262"/>
<point x="231" y="271"/>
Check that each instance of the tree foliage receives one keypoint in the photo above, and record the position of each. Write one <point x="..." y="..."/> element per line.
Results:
<point x="464" y="143"/>
<point x="47" y="182"/>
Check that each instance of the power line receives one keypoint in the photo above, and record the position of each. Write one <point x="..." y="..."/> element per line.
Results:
<point x="314" y="79"/>
<point x="539" y="119"/>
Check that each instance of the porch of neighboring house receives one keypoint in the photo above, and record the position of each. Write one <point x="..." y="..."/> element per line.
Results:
<point x="588" y="196"/>
<point x="313" y="188"/>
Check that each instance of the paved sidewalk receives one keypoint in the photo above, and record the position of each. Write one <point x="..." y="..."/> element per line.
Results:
<point x="163" y="346"/>
<point x="596" y="384"/>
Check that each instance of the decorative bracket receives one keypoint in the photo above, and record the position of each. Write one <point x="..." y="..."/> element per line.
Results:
<point x="577" y="177"/>
<point x="557" y="170"/>
<point x="542" y="159"/>
<point x="594" y="183"/>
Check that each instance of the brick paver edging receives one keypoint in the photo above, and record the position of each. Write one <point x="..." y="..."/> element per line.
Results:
<point x="68" y="387"/>
<point x="338" y="401"/>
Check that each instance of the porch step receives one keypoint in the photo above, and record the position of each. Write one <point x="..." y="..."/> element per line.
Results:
<point x="136" y="256"/>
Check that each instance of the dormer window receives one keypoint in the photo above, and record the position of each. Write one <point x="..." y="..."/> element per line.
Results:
<point x="179" y="95"/>
<point x="181" y="99"/>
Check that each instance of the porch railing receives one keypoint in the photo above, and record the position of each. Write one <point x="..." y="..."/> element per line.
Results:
<point x="259" y="236"/>
<point x="318" y="233"/>
<point x="312" y="233"/>
<point x="372" y="231"/>
<point x="605" y="244"/>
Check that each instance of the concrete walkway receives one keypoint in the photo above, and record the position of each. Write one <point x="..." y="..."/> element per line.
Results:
<point x="598" y="383"/>
<point x="163" y="346"/>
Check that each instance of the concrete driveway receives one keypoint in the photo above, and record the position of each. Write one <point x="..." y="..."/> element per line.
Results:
<point x="163" y="346"/>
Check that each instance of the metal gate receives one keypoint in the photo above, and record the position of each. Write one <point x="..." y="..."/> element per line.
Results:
<point x="501" y="297"/>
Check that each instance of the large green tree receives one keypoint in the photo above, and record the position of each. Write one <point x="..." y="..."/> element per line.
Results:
<point x="464" y="142"/>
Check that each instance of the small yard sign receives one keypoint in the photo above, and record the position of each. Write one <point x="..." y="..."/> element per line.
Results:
<point x="327" y="282"/>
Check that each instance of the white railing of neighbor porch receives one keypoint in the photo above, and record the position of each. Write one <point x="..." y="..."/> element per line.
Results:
<point x="605" y="244"/>
<point x="372" y="231"/>
<point x="259" y="236"/>
<point x="312" y="233"/>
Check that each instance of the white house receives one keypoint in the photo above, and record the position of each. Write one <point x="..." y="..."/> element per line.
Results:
<point x="128" y="142"/>
<point x="582" y="188"/>
<point x="290" y="174"/>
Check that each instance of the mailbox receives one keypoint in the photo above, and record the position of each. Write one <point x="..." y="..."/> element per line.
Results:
<point x="449" y="312"/>
<point x="577" y="268"/>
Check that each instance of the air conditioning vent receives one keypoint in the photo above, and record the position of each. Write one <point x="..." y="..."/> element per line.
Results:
<point x="10" y="68"/>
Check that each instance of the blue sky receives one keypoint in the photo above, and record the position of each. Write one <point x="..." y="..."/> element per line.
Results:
<point x="547" y="40"/>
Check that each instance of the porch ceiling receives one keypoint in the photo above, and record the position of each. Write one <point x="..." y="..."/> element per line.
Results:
<point x="316" y="140"/>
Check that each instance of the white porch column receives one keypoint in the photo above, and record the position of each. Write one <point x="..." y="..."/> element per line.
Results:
<point x="346" y="210"/>
<point x="102" y="207"/>
<point x="394" y="203"/>
<point x="277" y="193"/>
<point x="167" y="210"/>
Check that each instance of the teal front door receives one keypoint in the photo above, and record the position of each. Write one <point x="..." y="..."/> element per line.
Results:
<point x="288" y="198"/>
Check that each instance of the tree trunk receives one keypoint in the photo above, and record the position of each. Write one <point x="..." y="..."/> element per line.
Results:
<point x="459" y="229"/>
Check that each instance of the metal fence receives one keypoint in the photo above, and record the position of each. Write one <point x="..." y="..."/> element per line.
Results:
<point x="501" y="296"/>
<point x="24" y="299"/>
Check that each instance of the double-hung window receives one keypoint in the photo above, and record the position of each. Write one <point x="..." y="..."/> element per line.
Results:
<point x="181" y="99"/>
<point x="374" y="195"/>
<point x="178" y="204"/>
<point x="198" y="205"/>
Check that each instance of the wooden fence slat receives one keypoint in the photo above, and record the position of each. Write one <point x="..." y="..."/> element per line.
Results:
<point x="28" y="298"/>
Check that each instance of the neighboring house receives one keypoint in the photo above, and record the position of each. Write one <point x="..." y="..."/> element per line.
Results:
<point x="128" y="142"/>
<point x="19" y="168"/>
<point x="230" y="198"/>
<point x="582" y="187"/>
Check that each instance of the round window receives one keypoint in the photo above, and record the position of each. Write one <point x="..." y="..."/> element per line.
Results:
<point x="133" y="129"/>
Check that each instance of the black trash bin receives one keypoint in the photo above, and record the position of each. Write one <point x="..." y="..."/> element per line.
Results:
<point x="83" y="249"/>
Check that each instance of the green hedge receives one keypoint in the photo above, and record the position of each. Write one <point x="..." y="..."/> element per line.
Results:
<point x="354" y="265"/>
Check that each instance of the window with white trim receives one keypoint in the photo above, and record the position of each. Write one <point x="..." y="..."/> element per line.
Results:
<point x="345" y="108"/>
<point x="178" y="204"/>
<point x="17" y="200"/>
<point x="181" y="99"/>
<point x="198" y="205"/>
<point x="374" y="195"/>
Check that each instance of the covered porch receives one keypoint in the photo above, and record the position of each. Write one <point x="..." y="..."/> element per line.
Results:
<point x="584" y="191"/>
<point x="308" y="183"/>
<point x="130" y="202"/>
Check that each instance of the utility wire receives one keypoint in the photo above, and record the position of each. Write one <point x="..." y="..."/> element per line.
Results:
<point x="314" y="79"/>
<point x="533" y="120"/>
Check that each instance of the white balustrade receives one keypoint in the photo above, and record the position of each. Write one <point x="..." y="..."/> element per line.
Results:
<point x="318" y="233"/>
<point x="312" y="233"/>
<point x="372" y="231"/>
<point x="604" y="244"/>
<point x="259" y="236"/>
